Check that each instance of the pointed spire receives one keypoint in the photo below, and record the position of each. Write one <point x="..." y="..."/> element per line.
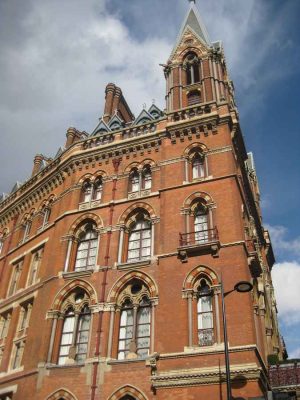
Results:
<point x="193" y="22"/>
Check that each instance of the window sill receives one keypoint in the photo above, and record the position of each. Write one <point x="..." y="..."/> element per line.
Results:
<point x="138" y="194"/>
<point x="134" y="264"/>
<point x="204" y="349"/>
<point x="73" y="365"/>
<point x="14" y="371"/>
<point x="89" y="204"/>
<point x="126" y="361"/>
<point x="76" y="274"/>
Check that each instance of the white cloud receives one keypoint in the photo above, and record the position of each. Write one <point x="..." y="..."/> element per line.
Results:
<point x="56" y="58"/>
<point x="286" y="281"/>
<point x="281" y="242"/>
<point x="295" y="353"/>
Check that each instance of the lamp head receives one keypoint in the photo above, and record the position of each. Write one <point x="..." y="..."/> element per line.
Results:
<point x="243" y="287"/>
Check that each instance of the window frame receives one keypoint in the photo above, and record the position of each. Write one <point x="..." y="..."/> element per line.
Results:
<point x="89" y="228"/>
<point x="140" y="240"/>
<point x="135" y="302"/>
<point x="77" y="311"/>
<point x="35" y="264"/>
<point x="15" y="278"/>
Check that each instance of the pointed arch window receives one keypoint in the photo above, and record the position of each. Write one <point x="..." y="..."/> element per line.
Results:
<point x="98" y="187"/>
<point x="135" y="322"/>
<point x="27" y="228"/>
<point x="198" y="166"/>
<point x="139" y="240"/>
<point x="75" y="330"/>
<point x="92" y="191"/>
<point x="87" y="192"/>
<point x="191" y="64"/>
<point x="146" y="178"/>
<point x="134" y="181"/>
<point x="205" y="319"/>
<point x="86" y="253"/>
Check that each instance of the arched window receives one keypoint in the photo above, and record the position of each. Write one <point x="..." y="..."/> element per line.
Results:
<point x="92" y="191"/>
<point x="139" y="239"/>
<point x="201" y="224"/>
<point x="191" y="64"/>
<point x="75" y="329"/>
<point x="87" y="191"/>
<point x="134" y="181"/>
<point x="205" y="314"/>
<point x="98" y="186"/>
<point x="86" y="253"/>
<point x="135" y="320"/>
<point x="198" y="165"/>
<point x="146" y="178"/>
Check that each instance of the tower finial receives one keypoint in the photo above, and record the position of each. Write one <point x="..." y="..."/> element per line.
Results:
<point x="192" y="1"/>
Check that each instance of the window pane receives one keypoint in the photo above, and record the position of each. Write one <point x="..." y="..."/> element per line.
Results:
<point x="204" y="304"/>
<point x="146" y="252"/>
<point x="143" y="330"/>
<point x="143" y="352"/>
<point x="146" y="234"/>
<point x="143" y="315"/>
<point x="146" y="243"/>
<point x="69" y="324"/>
<point x="143" y="342"/>
<point x="134" y="235"/>
<point x="134" y="244"/>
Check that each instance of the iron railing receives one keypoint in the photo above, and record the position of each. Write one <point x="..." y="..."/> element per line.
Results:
<point x="199" y="237"/>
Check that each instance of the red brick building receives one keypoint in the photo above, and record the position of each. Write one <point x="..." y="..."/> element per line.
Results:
<point x="114" y="251"/>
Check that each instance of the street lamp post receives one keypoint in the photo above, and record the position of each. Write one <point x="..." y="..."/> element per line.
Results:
<point x="241" y="287"/>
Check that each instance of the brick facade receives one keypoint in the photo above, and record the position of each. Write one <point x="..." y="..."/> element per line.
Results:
<point x="204" y="228"/>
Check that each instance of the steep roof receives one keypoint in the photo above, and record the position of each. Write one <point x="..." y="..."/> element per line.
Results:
<point x="193" y="22"/>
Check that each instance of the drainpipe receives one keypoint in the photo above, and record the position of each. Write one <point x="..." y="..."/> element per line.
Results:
<point x="116" y="163"/>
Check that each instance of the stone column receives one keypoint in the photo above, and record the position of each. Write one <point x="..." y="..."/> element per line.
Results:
<point x="190" y="318"/>
<point x="111" y="331"/>
<point x="152" y="239"/>
<point x="121" y="241"/>
<point x="67" y="261"/>
<point x="186" y="169"/>
<point x="52" y="337"/>
<point x="152" y="324"/>
<point x="217" y="312"/>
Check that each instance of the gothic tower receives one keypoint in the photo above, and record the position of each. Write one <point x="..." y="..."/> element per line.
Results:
<point x="121" y="256"/>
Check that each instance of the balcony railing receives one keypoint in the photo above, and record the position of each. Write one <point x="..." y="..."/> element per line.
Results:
<point x="193" y="243"/>
<point x="206" y="337"/>
<point x="198" y="238"/>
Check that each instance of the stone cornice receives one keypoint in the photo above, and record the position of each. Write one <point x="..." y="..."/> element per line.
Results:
<point x="203" y="376"/>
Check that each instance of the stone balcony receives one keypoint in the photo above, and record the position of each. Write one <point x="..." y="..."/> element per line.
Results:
<point x="196" y="243"/>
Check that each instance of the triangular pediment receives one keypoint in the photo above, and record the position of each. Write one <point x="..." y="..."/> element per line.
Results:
<point x="143" y="118"/>
<point x="16" y="186"/>
<point x="116" y="123"/>
<point x="155" y="112"/>
<point x="100" y="128"/>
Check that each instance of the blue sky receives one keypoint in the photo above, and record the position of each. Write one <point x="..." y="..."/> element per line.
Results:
<point x="56" y="58"/>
